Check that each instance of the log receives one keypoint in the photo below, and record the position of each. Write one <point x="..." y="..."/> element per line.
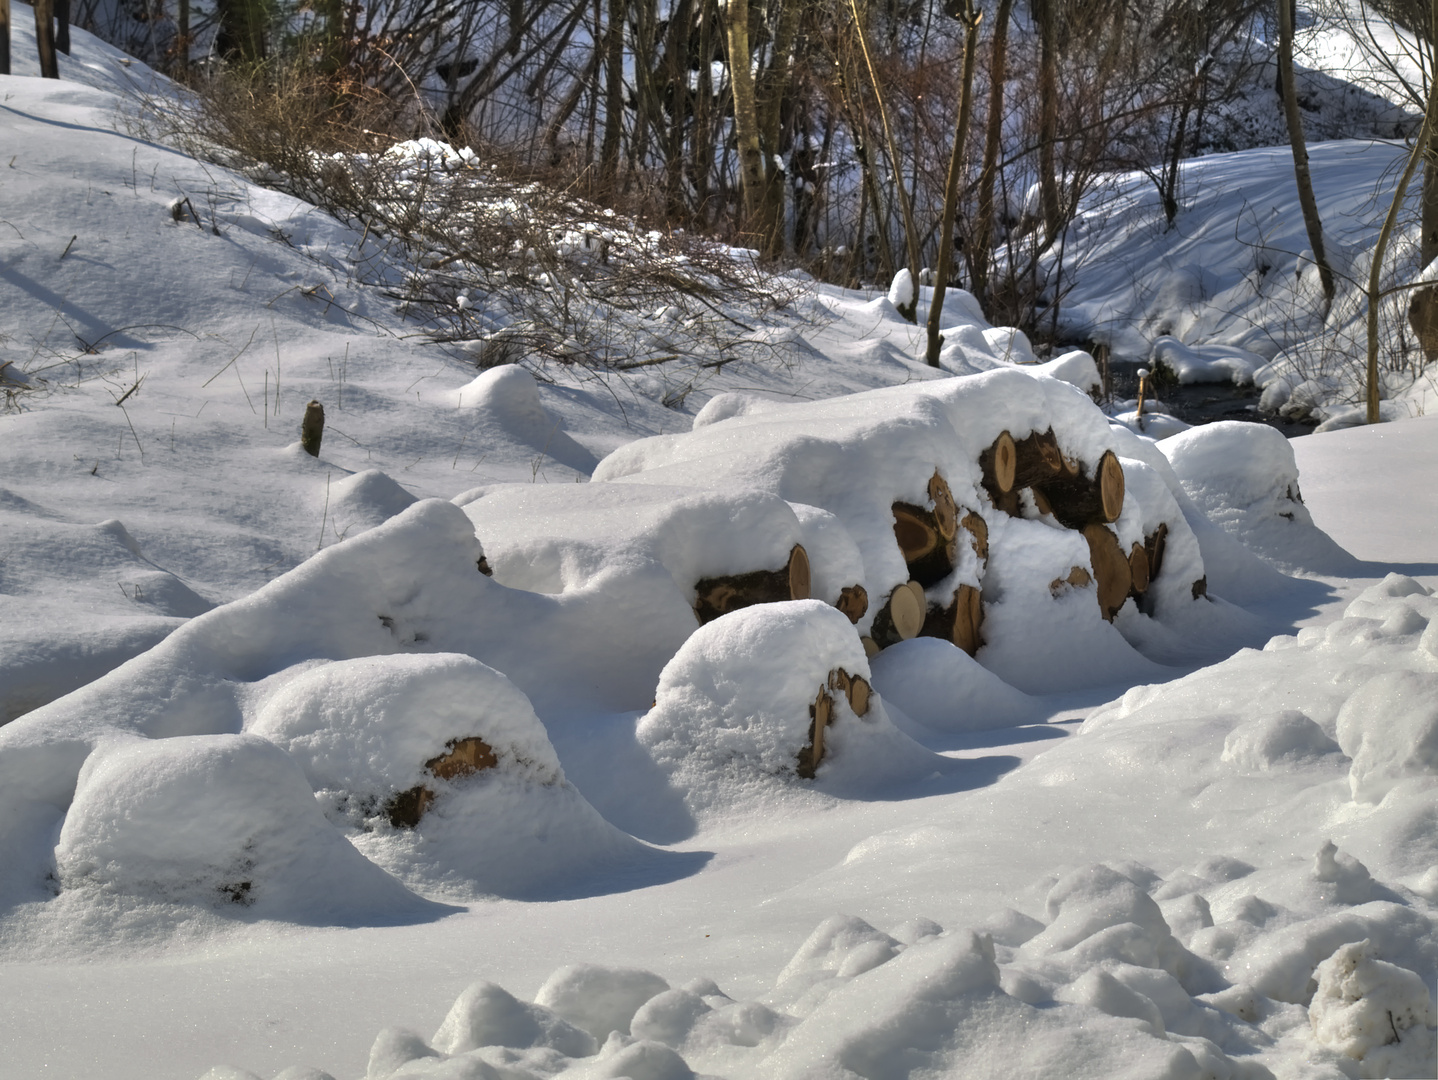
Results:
<point x="998" y="463"/>
<point x="978" y="531"/>
<point x="926" y="536"/>
<point x="1110" y="569"/>
<point x="854" y="602"/>
<point x="45" y="38"/>
<point x="855" y="688"/>
<point x="901" y="617"/>
<point x="1138" y="569"/>
<point x="1038" y="459"/>
<point x="718" y="596"/>
<point x="959" y="622"/>
<point x="820" y="713"/>
<point x="1078" y="578"/>
<point x="871" y="647"/>
<point x="1423" y="318"/>
<point x="312" y="428"/>
<point x="1200" y="587"/>
<point x="462" y="757"/>
<point x="1078" y="503"/>
<point x="1153" y="546"/>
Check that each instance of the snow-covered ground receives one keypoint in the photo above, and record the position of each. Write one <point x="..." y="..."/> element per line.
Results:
<point x="1127" y="856"/>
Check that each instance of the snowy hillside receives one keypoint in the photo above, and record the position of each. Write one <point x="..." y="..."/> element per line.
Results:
<point x="805" y="712"/>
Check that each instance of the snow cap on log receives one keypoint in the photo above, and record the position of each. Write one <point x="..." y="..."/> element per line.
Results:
<point x="736" y="706"/>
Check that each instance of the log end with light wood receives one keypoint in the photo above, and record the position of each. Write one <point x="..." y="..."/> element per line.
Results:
<point x="821" y="713"/>
<point x="901" y="617"/>
<point x="1153" y="546"/>
<point x="960" y="622"/>
<point x="926" y="535"/>
<point x="998" y="463"/>
<point x="978" y="531"/>
<point x="462" y="757"/>
<point x="1078" y="578"/>
<point x="854" y="688"/>
<point x="854" y="602"/>
<point x="871" y="647"/>
<point x="1138" y="568"/>
<point x="718" y="596"/>
<point x="1110" y="569"/>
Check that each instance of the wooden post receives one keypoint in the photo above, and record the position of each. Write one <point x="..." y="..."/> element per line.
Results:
<point x="45" y="38"/>
<point x="312" y="428"/>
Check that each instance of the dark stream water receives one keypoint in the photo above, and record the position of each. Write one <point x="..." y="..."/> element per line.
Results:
<point x="1203" y="403"/>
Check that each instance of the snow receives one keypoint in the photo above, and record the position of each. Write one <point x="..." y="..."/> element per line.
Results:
<point x="1199" y="840"/>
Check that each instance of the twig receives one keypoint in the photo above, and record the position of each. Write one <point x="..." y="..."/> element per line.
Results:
<point x="69" y="245"/>
<point x="326" y="515"/>
<point x="232" y="359"/>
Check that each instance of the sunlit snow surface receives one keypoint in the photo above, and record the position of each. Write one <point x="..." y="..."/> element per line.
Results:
<point x="1231" y="873"/>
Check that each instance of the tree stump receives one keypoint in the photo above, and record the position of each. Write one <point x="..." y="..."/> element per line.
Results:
<point x="1079" y="502"/>
<point x="720" y="595"/>
<point x="959" y="622"/>
<point x="312" y="428"/>
<point x="820" y="714"/>
<point x="854" y="602"/>
<point x="901" y="617"/>
<point x="1110" y="569"/>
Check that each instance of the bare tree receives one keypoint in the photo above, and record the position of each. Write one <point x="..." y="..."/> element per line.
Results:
<point x="1307" y="203"/>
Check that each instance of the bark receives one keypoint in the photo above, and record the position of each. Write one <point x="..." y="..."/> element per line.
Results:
<point x="613" y="97"/>
<point x="716" y="596"/>
<point x="312" y="428"/>
<point x="1050" y="202"/>
<point x="981" y="243"/>
<point x="1080" y="501"/>
<point x="752" y="167"/>
<point x="4" y="37"/>
<point x="970" y="19"/>
<point x="1309" y="205"/>
<point x="45" y="38"/>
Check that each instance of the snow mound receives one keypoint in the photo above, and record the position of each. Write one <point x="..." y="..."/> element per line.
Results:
<point x="735" y="710"/>
<point x="364" y="500"/>
<point x="597" y="999"/>
<point x="1207" y="363"/>
<point x="488" y="1015"/>
<point x="504" y="398"/>
<point x="221" y="821"/>
<point x="945" y="689"/>
<point x="1374" y="1012"/>
<point x="1245" y="479"/>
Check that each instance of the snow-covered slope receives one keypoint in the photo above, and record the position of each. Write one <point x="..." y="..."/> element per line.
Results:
<point x="286" y="772"/>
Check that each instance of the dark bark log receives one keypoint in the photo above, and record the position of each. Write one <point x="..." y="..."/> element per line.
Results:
<point x="1200" y="587"/>
<point x="718" y="596"/>
<point x="45" y="38"/>
<point x="1083" y="501"/>
<point x="1038" y="460"/>
<point x="927" y="536"/>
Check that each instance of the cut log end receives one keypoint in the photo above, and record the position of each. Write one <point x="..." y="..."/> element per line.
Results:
<point x="718" y="596"/>
<point x="960" y="622"/>
<point x="854" y="602"/>
<point x="1078" y="578"/>
<point x="902" y="617"/>
<point x="978" y="531"/>
<point x="461" y="758"/>
<point x="998" y="463"/>
<point x="799" y="573"/>
<point x="1110" y="486"/>
<point x="859" y="694"/>
<point x="1138" y="568"/>
<point x="820" y="715"/>
<point x="1110" y="569"/>
<point x="871" y="647"/>
<point x="946" y="511"/>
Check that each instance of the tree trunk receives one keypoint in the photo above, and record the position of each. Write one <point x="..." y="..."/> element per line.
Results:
<point x="770" y="93"/>
<point x="62" y="26"/>
<point x="45" y="38"/>
<point x="981" y="242"/>
<point x="1311" y="221"/>
<point x="970" y="18"/>
<point x="752" y="166"/>
<point x="613" y="98"/>
<point x="4" y="37"/>
<point x="1425" y="136"/>
<point x="911" y="232"/>
<point x="1050" y="202"/>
